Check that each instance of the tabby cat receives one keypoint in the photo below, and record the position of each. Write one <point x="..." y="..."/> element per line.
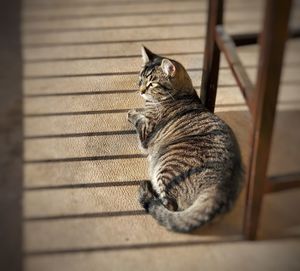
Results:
<point x="195" y="164"/>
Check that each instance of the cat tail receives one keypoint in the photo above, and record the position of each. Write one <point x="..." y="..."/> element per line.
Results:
<point x="202" y="211"/>
<point x="212" y="201"/>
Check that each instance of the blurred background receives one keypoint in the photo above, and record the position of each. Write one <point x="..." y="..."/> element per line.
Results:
<point x="70" y="164"/>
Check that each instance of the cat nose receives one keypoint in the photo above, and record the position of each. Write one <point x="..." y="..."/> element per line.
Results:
<point x="142" y="89"/>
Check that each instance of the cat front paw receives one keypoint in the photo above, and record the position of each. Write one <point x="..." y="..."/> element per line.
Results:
<point x="132" y="115"/>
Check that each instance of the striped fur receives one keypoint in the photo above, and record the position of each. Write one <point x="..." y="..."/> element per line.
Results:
<point x="195" y="163"/>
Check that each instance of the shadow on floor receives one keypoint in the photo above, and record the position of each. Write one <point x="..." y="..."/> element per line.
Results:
<point x="10" y="136"/>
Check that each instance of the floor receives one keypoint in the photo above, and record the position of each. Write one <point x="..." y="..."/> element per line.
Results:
<point x="82" y="165"/>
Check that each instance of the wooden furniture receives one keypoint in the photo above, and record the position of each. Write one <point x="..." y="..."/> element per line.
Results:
<point x="260" y="97"/>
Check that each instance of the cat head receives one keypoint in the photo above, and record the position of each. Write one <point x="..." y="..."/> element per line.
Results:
<point x="162" y="78"/>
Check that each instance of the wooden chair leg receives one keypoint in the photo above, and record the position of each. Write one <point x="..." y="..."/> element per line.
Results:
<point x="211" y="60"/>
<point x="272" y="42"/>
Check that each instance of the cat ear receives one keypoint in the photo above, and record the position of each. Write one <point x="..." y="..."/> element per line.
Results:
<point x="147" y="55"/>
<point x="168" y="67"/>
